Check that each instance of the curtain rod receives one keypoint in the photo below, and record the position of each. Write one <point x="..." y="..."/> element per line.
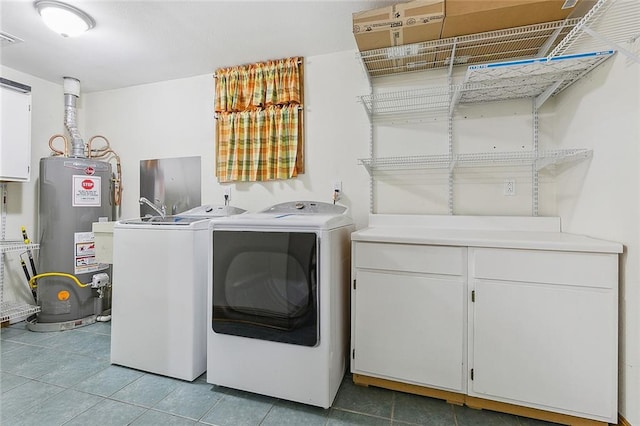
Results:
<point x="246" y="65"/>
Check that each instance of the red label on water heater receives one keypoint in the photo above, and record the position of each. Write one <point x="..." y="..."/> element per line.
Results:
<point x="89" y="171"/>
<point x="87" y="184"/>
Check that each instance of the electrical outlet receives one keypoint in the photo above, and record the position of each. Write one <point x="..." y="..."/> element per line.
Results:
<point x="509" y="187"/>
<point x="337" y="190"/>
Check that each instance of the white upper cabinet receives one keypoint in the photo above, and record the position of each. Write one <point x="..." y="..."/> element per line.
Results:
<point x="15" y="135"/>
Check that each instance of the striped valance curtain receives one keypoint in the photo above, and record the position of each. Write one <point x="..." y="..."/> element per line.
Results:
<point x="259" y="121"/>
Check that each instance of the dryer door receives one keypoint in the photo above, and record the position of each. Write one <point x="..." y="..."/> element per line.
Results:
<point x="265" y="285"/>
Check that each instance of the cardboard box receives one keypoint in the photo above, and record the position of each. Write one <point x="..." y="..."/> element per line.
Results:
<point x="478" y="16"/>
<point x="400" y="24"/>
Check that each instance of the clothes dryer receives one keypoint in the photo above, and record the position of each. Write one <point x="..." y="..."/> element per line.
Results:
<point x="278" y="301"/>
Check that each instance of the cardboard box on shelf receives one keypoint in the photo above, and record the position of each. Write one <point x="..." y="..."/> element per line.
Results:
<point x="388" y="63"/>
<point x="399" y="24"/>
<point x="477" y="16"/>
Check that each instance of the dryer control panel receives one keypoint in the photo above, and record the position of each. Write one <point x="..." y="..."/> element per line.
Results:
<point x="306" y="207"/>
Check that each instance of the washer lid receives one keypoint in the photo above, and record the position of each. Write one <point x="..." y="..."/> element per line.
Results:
<point x="168" y="222"/>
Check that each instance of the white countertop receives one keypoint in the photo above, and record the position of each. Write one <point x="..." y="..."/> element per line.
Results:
<point x="443" y="231"/>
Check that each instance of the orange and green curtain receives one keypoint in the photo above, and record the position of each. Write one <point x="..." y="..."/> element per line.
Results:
<point x="259" y="114"/>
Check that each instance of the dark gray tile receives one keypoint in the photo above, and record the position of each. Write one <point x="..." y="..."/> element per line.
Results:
<point x="32" y="337"/>
<point x="77" y="341"/>
<point x="97" y="328"/>
<point x="10" y="332"/>
<point x="13" y="329"/>
<point x="21" y="399"/>
<point x="232" y="410"/>
<point x="422" y="410"/>
<point x="292" y="413"/>
<point x="191" y="400"/>
<point x="108" y="412"/>
<point x="342" y="418"/>
<point x="366" y="400"/>
<point x="155" y="418"/>
<point x="73" y="368"/>
<point x="147" y="391"/>
<point x="9" y="381"/>
<point x="202" y="378"/>
<point x="466" y="416"/>
<point x="56" y="410"/>
<point x="7" y="346"/>
<point x="30" y="361"/>
<point x="109" y="381"/>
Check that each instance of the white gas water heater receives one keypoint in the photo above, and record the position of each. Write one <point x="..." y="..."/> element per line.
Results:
<point x="77" y="188"/>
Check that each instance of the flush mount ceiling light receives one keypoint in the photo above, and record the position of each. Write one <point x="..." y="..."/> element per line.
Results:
<point x="66" y="20"/>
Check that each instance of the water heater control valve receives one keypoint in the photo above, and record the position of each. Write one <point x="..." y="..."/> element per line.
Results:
<point x="100" y="280"/>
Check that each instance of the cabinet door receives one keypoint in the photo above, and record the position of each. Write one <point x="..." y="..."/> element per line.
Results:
<point x="15" y="136"/>
<point x="545" y="346"/>
<point x="409" y="327"/>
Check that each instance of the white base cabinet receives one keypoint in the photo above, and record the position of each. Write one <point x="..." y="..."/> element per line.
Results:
<point x="410" y="323"/>
<point x="543" y="330"/>
<point x="533" y="325"/>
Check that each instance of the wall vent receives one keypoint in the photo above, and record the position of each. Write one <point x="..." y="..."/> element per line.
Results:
<point x="7" y="39"/>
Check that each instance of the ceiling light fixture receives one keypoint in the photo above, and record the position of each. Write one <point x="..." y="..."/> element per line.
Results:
<point x="66" y="20"/>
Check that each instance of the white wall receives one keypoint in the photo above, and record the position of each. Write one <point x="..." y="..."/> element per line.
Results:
<point x="176" y="119"/>
<point x="601" y="198"/>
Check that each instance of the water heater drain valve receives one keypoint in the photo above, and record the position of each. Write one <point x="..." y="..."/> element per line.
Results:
<point x="100" y="280"/>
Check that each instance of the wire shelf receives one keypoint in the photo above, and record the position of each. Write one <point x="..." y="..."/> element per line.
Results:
<point x="416" y="103"/>
<point x="527" y="78"/>
<point x="541" y="160"/>
<point x="417" y="162"/>
<point x="520" y="42"/>
<point x="16" y="311"/>
<point x="608" y="24"/>
<point x="16" y="245"/>
<point x="531" y="78"/>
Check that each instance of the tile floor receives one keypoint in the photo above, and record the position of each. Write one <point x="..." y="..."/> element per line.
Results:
<point x="65" y="378"/>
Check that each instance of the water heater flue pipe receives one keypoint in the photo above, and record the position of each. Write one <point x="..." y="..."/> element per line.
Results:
<point x="71" y="93"/>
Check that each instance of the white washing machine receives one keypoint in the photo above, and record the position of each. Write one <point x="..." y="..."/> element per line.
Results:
<point x="158" y="321"/>
<point x="278" y="301"/>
